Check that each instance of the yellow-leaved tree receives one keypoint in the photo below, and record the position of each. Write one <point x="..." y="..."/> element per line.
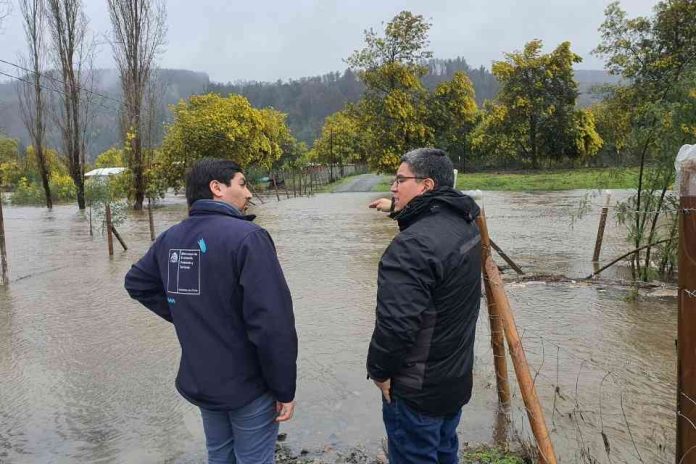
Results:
<point x="220" y="127"/>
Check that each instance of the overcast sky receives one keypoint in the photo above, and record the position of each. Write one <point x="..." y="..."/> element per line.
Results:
<point x="267" y="40"/>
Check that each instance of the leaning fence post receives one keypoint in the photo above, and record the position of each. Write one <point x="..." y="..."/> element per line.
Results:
<point x="118" y="237"/>
<point x="686" y="320"/>
<point x="497" y="331"/>
<point x="600" y="230"/>
<point x="519" y="361"/>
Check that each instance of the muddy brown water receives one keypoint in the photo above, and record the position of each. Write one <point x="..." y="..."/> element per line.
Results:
<point x="86" y="375"/>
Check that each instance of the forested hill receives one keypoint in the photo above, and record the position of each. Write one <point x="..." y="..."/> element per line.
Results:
<point x="307" y="100"/>
<point x="104" y="132"/>
<point x="310" y="99"/>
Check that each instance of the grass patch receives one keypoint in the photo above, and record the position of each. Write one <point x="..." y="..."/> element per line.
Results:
<point x="620" y="178"/>
<point x="571" y="179"/>
<point x="489" y="455"/>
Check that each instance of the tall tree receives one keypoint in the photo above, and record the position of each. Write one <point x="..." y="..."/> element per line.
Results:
<point x="657" y="56"/>
<point x="539" y="93"/>
<point x="71" y="53"/>
<point x="138" y="34"/>
<point x="453" y="115"/>
<point x="4" y="280"/>
<point x="341" y="141"/>
<point x="213" y="126"/>
<point x="31" y="98"/>
<point x="394" y="107"/>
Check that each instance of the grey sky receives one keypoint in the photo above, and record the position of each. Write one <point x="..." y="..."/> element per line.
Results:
<point x="275" y="39"/>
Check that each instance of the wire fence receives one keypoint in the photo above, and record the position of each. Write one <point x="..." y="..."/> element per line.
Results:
<point x="601" y="407"/>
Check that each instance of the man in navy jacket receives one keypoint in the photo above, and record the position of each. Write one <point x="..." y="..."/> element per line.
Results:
<point x="216" y="277"/>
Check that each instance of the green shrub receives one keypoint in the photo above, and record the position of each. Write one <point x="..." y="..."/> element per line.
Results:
<point x="31" y="193"/>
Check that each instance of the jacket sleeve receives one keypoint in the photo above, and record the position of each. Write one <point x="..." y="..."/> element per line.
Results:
<point x="268" y="314"/>
<point x="404" y="287"/>
<point x="144" y="283"/>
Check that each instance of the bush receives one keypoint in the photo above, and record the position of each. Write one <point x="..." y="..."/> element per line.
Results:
<point x="31" y="193"/>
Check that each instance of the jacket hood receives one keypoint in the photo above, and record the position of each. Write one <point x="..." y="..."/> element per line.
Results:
<point x="205" y="207"/>
<point x="446" y="197"/>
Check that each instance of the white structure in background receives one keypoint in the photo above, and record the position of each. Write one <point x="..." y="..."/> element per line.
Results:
<point x="685" y="157"/>
<point x="104" y="172"/>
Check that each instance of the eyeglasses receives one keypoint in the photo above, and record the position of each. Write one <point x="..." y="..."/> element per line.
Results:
<point x="401" y="179"/>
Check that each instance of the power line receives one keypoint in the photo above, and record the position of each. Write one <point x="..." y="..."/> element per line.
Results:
<point x="50" y="89"/>
<point x="47" y="75"/>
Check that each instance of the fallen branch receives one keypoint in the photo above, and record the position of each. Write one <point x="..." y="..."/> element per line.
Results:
<point x="624" y="256"/>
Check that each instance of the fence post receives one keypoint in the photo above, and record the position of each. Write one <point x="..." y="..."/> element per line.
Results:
<point x="275" y="185"/>
<point x="686" y="320"/>
<point x="109" y="233"/>
<point x="497" y="332"/>
<point x="4" y="279"/>
<point x="600" y="230"/>
<point x="151" y="219"/>
<point x="519" y="360"/>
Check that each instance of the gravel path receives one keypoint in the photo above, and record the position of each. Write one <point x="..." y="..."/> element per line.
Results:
<point x="361" y="183"/>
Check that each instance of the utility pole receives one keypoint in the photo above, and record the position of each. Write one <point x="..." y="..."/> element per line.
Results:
<point x="331" y="158"/>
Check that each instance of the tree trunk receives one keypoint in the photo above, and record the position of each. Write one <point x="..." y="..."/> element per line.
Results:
<point x="533" y="143"/>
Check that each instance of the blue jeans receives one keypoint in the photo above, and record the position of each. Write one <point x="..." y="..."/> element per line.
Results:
<point x="246" y="435"/>
<point x="416" y="438"/>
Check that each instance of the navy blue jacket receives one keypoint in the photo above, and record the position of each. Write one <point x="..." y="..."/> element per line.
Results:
<point x="216" y="277"/>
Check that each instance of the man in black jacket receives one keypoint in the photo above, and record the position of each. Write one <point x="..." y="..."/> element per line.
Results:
<point x="216" y="277"/>
<point x="429" y="289"/>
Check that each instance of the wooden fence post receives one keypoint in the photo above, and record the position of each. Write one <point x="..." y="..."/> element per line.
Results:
<point x="151" y="219"/>
<point x="109" y="230"/>
<point x="519" y="360"/>
<point x="600" y="230"/>
<point x="496" y="323"/>
<point x="4" y="278"/>
<point x="686" y="320"/>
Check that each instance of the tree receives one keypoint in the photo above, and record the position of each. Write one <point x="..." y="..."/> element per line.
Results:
<point x="341" y="141"/>
<point x="657" y="56"/>
<point x="138" y="35"/>
<point x="10" y="169"/>
<point x="613" y="123"/>
<point x="496" y="137"/>
<point x="31" y="98"/>
<point x="453" y="115"/>
<point x="214" y="126"/>
<point x="70" y="51"/>
<point x="393" y="111"/>
<point x="111" y="158"/>
<point x="539" y="93"/>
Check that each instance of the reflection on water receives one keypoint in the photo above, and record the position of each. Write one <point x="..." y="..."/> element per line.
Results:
<point x="87" y="375"/>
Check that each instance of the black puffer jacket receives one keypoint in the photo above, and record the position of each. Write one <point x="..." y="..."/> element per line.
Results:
<point x="428" y="297"/>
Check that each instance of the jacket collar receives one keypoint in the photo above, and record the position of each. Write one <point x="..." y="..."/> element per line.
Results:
<point x="208" y="207"/>
<point x="430" y="202"/>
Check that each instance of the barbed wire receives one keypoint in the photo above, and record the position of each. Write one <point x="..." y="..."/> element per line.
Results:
<point x="583" y="415"/>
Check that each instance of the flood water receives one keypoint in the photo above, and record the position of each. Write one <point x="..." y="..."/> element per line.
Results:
<point x="86" y="375"/>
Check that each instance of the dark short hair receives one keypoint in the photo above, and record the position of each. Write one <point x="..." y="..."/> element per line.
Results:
<point x="433" y="163"/>
<point x="203" y="172"/>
